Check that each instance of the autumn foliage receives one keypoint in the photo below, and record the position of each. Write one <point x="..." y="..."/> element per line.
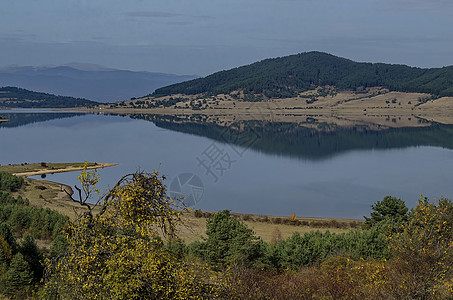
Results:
<point x="117" y="250"/>
<point x="114" y="254"/>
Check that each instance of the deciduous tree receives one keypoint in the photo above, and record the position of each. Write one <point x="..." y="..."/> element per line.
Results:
<point x="113" y="254"/>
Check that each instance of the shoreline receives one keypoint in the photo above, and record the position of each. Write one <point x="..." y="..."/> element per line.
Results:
<point x="70" y="169"/>
<point x="375" y="107"/>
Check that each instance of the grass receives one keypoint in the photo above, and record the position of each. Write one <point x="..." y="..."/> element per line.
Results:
<point x="35" y="167"/>
<point x="269" y="228"/>
<point x="52" y="195"/>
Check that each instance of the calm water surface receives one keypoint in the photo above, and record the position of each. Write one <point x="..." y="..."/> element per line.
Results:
<point x="341" y="184"/>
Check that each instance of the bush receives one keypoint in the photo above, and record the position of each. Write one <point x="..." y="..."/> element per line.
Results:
<point x="228" y="242"/>
<point x="10" y="182"/>
<point x="198" y="213"/>
<point x="423" y="250"/>
<point x="300" y="250"/>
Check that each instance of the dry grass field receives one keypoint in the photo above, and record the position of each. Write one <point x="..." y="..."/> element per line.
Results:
<point x="372" y="106"/>
<point x="269" y="228"/>
<point x="47" y="194"/>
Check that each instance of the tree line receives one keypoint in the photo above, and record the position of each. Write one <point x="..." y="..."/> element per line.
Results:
<point x="21" y="225"/>
<point x="22" y="98"/>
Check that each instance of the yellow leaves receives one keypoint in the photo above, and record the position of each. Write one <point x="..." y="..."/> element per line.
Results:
<point x="140" y="200"/>
<point x="424" y="247"/>
<point x="113" y="256"/>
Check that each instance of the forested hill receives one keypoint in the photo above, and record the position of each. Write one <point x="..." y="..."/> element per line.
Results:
<point x="284" y="76"/>
<point x="13" y="97"/>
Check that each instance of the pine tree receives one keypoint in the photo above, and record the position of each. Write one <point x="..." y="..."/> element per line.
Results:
<point x="32" y="255"/>
<point x="18" y="277"/>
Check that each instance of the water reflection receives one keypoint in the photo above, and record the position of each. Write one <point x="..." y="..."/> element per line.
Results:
<point x="324" y="170"/>
<point x="21" y="118"/>
<point x="314" y="142"/>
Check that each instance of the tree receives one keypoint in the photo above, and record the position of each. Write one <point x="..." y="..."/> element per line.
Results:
<point x="423" y="250"/>
<point x="112" y="252"/>
<point x="32" y="255"/>
<point x="228" y="241"/>
<point x="59" y="246"/>
<point x="388" y="215"/>
<point x="18" y="277"/>
<point x="7" y="239"/>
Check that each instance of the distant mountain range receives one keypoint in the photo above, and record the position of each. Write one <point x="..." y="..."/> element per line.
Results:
<point x="13" y="97"/>
<point x="286" y="76"/>
<point x="87" y="81"/>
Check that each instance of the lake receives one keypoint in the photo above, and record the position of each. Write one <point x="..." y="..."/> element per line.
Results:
<point x="254" y="167"/>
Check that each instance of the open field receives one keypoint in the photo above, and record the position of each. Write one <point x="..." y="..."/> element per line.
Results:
<point x="269" y="228"/>
<point x="26" y="169"/>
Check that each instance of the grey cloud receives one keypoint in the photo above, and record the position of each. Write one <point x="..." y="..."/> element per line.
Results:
<point x="17" y="36"/>
<point x="361" y="40"/>
<point x="437" y="6"/>
<point x="181" y="23"/>
<point x="152" y="14"/>
<point x="162" y="14"/>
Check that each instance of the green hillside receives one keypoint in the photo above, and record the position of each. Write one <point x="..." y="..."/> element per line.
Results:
<point x="13" y="97"/>
<point x="285" y="76"/>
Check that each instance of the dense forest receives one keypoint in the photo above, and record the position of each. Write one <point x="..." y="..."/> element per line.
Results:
<point x="21" y="226"/>
<point x="13" y="97"/>
<point x="285" y="76"/>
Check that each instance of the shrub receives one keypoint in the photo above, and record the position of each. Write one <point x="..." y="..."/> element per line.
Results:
<point x="10" y="182"/>
<point x="228" y="242"/>
<point x="423" y="250"/>
<point x="198" y="213"/>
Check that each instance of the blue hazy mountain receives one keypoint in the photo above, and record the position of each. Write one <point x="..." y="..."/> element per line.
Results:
<point x="87" y="81"/>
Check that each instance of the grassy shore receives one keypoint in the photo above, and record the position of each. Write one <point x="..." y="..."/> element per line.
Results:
<point x="52" y="195"/>
<point x="48" y="194"/>
<point x="56" y="196"/>
<point x="26" y="169"/>
<point x="269" y="228"/>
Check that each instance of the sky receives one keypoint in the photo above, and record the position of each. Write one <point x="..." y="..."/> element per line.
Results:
<point x="199" y="37"/>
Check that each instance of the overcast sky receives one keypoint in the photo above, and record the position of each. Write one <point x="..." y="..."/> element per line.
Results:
<point x="204" y="36"/>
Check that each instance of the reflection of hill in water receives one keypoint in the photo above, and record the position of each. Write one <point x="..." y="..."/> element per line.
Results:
<point x="21" y="119"/>
<point x="290" y="139"/>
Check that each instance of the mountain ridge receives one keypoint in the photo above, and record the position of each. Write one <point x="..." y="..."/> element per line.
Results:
<point x="286" y="76"/>
<point x="88" y="81"/>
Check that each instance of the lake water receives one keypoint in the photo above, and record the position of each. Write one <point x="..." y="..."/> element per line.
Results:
<point x="266" y="170"/>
